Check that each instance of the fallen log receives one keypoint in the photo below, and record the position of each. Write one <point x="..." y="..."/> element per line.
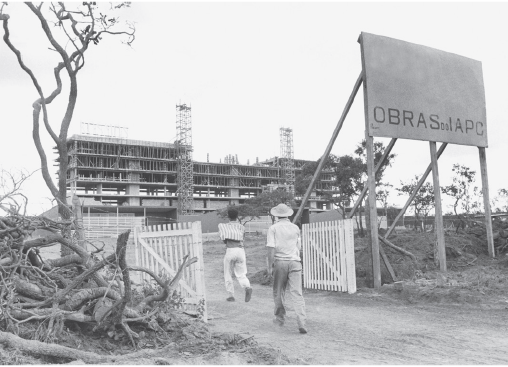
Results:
<point x="63" y="261"/>
<point x="31" y="290"/>
<point x="37" y="348"/>
<point x="44" y="313"/>
<point x="89" y="294"/>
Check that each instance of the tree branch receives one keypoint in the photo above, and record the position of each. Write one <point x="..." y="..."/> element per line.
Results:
<point x="167" y="286"/>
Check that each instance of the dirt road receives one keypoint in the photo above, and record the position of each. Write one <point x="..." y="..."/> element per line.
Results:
<point x="363" y="328"/>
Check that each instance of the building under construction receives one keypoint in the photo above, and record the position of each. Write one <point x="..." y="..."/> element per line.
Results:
<point x="145" y="182"/>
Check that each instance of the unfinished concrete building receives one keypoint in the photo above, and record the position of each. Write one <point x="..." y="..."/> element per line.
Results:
<point x="132" y="182"/>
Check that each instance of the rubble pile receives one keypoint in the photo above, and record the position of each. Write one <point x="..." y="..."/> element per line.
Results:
<point x="87" y="288"/>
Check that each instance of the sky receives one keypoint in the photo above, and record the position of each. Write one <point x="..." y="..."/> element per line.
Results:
<point x="247" y="69"/>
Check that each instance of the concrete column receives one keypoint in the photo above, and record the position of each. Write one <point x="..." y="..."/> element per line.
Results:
<point x="234" y="192"/>
<point x="133" y="190"/>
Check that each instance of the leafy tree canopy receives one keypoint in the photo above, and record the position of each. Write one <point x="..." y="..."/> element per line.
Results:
<point x="379" y="149"/>
<point x="500" y="202"/>
<point x="349" y="172"/>
<point x="423" y="201"/>
<point x="467" y="196"/>
<point x="303" y="179"/>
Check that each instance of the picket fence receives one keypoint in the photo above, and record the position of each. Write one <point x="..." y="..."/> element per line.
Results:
<point x="109" y="226"/>
<point x="329" y="256"/>
<point x="161" y="248"/>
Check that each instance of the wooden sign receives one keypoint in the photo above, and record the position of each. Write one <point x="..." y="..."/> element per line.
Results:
<point x="417" y="92"/>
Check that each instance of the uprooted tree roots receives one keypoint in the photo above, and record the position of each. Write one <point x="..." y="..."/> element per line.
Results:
<point x="80" y="287"/>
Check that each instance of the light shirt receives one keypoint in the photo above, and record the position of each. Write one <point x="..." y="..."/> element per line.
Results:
<point x="233" y="230"/>
<point x="284" y="236"/>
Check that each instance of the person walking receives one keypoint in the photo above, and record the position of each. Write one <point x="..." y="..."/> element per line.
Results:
<point x="283" y="245"/>
<point x="233" y="235"/>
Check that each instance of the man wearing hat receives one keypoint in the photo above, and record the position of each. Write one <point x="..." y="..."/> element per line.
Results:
<point x="284" y="244"/>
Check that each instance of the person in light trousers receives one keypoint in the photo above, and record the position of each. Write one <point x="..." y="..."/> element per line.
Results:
<point x="233" y="234"/>
<point x="284" y="244"/>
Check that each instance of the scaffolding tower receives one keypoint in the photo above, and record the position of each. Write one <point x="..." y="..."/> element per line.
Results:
<point x="185" y="171"/>
<point x="287" y="158"/>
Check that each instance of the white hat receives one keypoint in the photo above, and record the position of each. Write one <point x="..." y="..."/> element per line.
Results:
<point x="281" y="210"/>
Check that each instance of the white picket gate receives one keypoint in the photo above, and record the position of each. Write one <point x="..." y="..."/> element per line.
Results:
<point x="329" y="256"/>
<point x="161" y="249"/>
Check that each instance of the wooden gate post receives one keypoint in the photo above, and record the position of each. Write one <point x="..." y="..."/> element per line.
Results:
<point x="200" y="271"/>
<point x="438" y="211"/>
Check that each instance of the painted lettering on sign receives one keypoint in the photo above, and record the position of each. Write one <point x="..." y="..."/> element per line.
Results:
<point x="417" y="92"/>
<point x="420" y="120"/>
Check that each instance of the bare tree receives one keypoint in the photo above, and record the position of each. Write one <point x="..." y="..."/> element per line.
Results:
<point x="12" y="199"/>
<point x="71" y="29"/>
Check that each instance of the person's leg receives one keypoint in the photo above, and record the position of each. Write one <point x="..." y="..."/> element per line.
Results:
<point x="280" y="277"/>
<point x="240" y="269"/>
<point x="295" y="289"/>
<point x="228" y="279"/>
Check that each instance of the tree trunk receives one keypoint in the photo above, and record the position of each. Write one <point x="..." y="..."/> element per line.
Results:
<point x="78" y="216"/>
<point x="65" y="215"/>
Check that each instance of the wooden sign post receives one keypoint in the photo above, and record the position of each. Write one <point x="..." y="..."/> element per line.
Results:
<point x="486" y="200"/>
<point x="438" y="212"/>
<point x="371" y="186"/>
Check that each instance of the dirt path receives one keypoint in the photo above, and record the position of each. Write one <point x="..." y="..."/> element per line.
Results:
<point x="363" y="328"/>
